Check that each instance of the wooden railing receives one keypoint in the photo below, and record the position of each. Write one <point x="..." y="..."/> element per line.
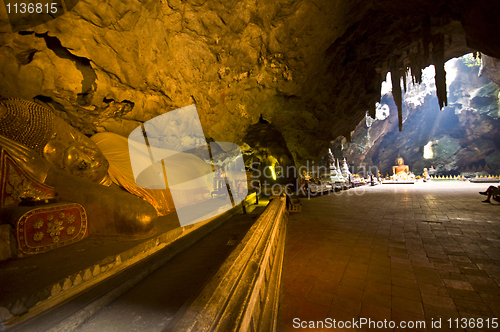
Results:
<point x="244" y="294"/>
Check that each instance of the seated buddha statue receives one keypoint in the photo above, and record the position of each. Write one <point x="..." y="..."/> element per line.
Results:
<point x="400" y="170"/>
<point x="56" y="154"/>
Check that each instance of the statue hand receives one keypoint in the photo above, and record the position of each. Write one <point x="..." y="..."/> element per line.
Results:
<point x="27" y="158"/>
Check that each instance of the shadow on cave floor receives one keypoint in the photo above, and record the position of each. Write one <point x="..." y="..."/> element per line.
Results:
<point x="23" y="277"/>
<point x="189" y="269"/>
<point x="159" y="301"/>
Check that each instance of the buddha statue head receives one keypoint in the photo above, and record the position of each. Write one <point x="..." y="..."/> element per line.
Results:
<point x="400" y="161"/>
<point x="59" y="143"/>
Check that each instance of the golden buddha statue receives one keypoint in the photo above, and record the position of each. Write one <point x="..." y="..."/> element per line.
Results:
<point x="401" y="169"/>
<point x="59" y="143"/>
<point x="58" y="155"/>
<point x="117" y="149"/>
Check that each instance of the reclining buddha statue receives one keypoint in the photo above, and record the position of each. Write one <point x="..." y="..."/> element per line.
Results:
<point x="57" y="155"/>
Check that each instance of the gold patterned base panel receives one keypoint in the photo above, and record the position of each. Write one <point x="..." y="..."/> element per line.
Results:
<point x="51" y="226"/>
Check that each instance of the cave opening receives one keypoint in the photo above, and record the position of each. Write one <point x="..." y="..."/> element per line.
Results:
<point x="451" y="140"/>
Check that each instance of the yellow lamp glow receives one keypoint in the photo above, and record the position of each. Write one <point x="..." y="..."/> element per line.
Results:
<point x="273" y="173"/>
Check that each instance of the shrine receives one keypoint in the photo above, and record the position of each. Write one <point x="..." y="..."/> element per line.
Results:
<point x="219" y="165"/>
<point x="401" y="173"/>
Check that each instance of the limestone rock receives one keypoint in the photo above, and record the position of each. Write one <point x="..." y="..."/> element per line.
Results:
<point x="77" y="280"/>
<point x="67" y="284"/>
<point x="18" y="308"/>
<point x="490" y="67"/>
<point x="5" y="314"/>
<point x="463" y="134"/>
<point x="87" y="275"/>
<point x="311" y="68"/>
<point x="32" y="300"/>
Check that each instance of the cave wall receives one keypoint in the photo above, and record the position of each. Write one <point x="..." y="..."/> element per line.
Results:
<point x="310" y="67"/>
<point x="463" y="135"/>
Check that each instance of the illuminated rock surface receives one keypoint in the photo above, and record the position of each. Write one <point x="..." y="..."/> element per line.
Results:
<point x="311" y="68"/>
<point x="464" y="134"/>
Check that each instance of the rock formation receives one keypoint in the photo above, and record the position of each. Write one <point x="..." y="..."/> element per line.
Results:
<point x="464" y="135"/>
<point x="311" y="67"/>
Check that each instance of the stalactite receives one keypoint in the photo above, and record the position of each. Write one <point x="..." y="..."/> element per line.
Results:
<point x="372" y="111"/>
<point x="183" y="15"/>
<point x="380" y="79"/>
<point x="348" y="137"/>
<point x="418" y="74"/>
<point x="405" y="72"/>
<point x="426" y="36"/>
<point x="416" y="67"/>
<point x="396" y="91"/>
<point x="438" y="61"/>
<point x="419" y="60"/>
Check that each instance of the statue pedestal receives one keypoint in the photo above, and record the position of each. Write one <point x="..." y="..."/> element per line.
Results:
<point x="5" y="242"/>
<point x="41" y="228"/>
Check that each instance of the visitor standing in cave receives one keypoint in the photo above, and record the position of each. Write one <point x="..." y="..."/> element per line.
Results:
<point x="491" y="191"/>
<point x="370" y="177"/>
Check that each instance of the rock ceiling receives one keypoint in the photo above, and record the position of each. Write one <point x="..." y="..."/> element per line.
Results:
<point x="311" y="68"/>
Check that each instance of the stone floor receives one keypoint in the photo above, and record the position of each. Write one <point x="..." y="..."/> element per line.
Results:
<point x="418" y="252"/>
